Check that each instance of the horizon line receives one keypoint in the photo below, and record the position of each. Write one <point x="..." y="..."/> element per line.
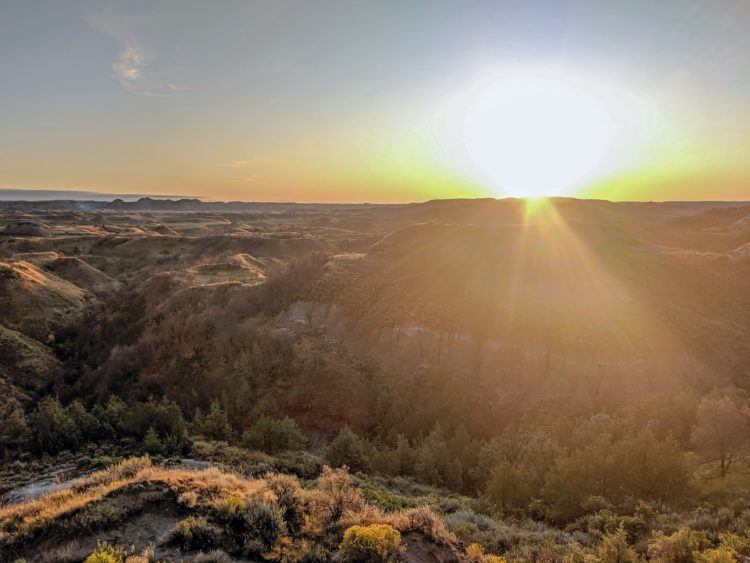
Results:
<point x="103" y="197"/>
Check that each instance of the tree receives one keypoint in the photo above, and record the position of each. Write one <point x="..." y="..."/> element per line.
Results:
<point x="435" y="441"/>
<point x="112" y="417"/>
<point x="347" y="449"/>
<point x="151" y="442"/>
<point x="165" y="417"/>
<point x="506" y="486"/>
<point x="52" y="429"/>
<point x="635" y="466"/>
<point x="215" y="425"/>
<point x="462" y="447"/>
<point x="722" y="431"/>
<point x="454" y="478"/>
<point x="652" y="468"/>
<point x="426" y="467"/>
<point x="529" y="451"/>
<point x="87" y="423"/>
<point x="274" y="436"/>
<point x="404" y="455"/>
<point x="14" y="429"/>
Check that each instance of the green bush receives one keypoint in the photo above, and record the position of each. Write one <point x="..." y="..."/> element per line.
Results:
<point x="347" y="449"/>
<point x="52" y="429"/>
<point x="151" y="442"/>
<point x="215" y="425"/>
<point x="377" y="542"/>
<point x="112" y="417"/>
<point x="273" y="436"/>
<point x="14" y="431"/>
<point x="166" y="419"/>
<point x="87" y="423"/>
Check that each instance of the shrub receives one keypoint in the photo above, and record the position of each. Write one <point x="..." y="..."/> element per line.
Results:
<point x="13" y="427"/>
<point x="195" y="532"/>
<point x="425" y="521"/>
<point x="615" y="549"/>
<point x="288" y="496"/>
<point x="216" y="556"/>
<point x="52" y="429"/>
<point x="146" y="556"/>
<point x="347" y="449"/>
<point x="463" y="517"/>
<point x="274" y="436"/>
<point x="300" y="463"/>
<point x="314" y="554"/>
<point x="262" y="526"/>
<point x="215" y="425"/>
<point x="475" y="554"/>
<point x="87" y="423"/>
<point x="377" y="542"/>
<point x="603" y="522"/>
<point x="112" y="417"/>
<point x="165" y="418"/>
<point x="739" y="544"/>
<point x="151" y="442"/>
<point x="676" y="548"/>
<point x="105" y="553"/>
<point x="188" y="499"/>
<point x="720" y="554"/>
<point x="229" y="507"/>
<point x="337" y="495"/>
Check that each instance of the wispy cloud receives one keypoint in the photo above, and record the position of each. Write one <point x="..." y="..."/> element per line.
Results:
<point x="134" y="68"/>
<point x="246" y="180"/>
<point x="249" y="170"/>
<point x="128" y="64"/>
<point x="250" y="162"/>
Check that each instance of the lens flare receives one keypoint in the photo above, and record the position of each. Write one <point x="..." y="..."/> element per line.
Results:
<point x="536" y="134"/>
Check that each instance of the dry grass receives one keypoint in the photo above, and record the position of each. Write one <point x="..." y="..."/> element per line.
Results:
<point x="421" y="519"/>
<point x="215" y="499"/>
<point x="25" y="518"/>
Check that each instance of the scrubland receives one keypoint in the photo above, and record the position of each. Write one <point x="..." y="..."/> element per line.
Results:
<point x="450" y="381"/>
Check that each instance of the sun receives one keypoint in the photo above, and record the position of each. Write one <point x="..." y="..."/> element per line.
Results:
<point x="534" y="134"/>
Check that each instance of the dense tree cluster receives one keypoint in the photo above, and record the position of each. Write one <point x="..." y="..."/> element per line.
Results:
<point x="154" y="426"/>
<point x="566" y="467"/>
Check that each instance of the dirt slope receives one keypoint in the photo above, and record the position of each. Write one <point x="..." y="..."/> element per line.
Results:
<point x="35" y="301"/>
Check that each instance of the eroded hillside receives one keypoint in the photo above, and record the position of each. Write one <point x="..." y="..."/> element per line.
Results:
<point x="567" y="368"/>
<point x="570" y="301"/>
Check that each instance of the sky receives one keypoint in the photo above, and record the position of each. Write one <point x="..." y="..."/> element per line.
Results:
<point x="380" y="101"/>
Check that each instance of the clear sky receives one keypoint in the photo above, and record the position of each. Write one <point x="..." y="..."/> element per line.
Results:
<point x="383" y="101"/>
